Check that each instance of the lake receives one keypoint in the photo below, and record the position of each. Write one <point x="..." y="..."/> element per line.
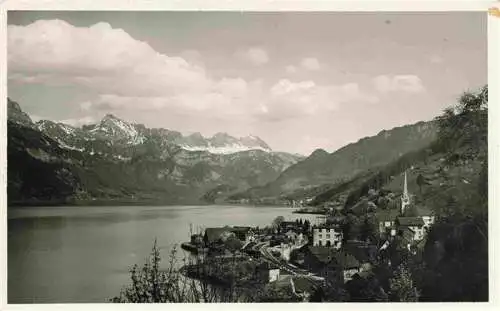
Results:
<point x="83" y="254"/>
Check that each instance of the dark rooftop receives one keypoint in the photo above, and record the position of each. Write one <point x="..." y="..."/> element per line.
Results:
<point x="365" y="274"/>
<point x="362" y="251"/>
<point x="327" y="255"/>
<point x="214" y="234"/>
<point x="386" y="215"/>
<point x="408" y="234"/>
<point x="346" y="260"/>
<point x="240" y="229"/>
<point x="304" y="285"/>
<point x="410" y="221"/>
<point x="288" y="224"/>
<point x="267" y="266"/>
<point x="323" y="254"/>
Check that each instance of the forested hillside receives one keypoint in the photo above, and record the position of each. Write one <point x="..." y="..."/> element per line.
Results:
<point x="447" y="179"/>
<point x="323" y="170"/>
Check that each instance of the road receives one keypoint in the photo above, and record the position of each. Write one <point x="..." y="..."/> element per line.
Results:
<point x="266" y="255"/>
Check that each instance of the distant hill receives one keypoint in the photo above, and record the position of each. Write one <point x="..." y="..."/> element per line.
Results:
<point x="323" y="169"/>
<point x="452" y="165"/>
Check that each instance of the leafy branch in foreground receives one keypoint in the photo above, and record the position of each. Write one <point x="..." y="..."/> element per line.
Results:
<point x="203" y="279"/>
<point x="150" y="284"/>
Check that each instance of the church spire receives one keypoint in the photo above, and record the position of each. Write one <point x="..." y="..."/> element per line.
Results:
<point x="405" y="187"/>
<point x="405" y="198"/>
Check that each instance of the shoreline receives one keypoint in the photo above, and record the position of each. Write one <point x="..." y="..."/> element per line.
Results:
<point x="107" y="203"/>
<point x="311" y="211"/>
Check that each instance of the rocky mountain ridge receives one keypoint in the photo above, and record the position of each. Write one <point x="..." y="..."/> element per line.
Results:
<point x="118" y="161"/>
<point x="323" y="170"/>
<point x="119" y="132"/>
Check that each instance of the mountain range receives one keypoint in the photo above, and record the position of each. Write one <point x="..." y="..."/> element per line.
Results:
<point x="118" y="132"/>
<point x="322" y="170"/>
<point x="115" y="160"/>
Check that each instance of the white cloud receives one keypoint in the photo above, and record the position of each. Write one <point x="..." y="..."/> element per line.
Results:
<point x="291" y="69"/>
<point x="85" y="106"/>
<point x="436" y="59"/>
<point x="99" y="57"/>
<point x="398" y="83"/>
<point x="289" y="98"/>
<point x="77" y="122"/>
<point x="256" y="56"/>
<point x="131" y="79"/>
<point x="310" y="63"/>
<point x="191" y="55"/>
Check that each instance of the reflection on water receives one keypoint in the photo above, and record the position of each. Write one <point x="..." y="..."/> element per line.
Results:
<point x="83" y="254"/>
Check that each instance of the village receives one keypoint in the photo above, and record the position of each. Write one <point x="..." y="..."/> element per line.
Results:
<point x="299" y="257"/>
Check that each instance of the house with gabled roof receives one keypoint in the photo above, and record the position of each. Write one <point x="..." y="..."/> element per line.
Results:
<point x="329" y="262"/>
<point x="215" y="235"/>
<point x="387" y="224"/>
<point x="365" y="253"/>
<point x="290" y="226"/>
<point x="413" y="226"/>
<point x="268" y="272"/>
<point x="303" y="287"/>
<point x="244" y="233"/>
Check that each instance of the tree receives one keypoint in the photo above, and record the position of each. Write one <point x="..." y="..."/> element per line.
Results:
<point x="402" y="287"/>
<point x="366" y="289"/>
<point x="464" y="126"/>
<point x="306" y="226"/>
<point x="483" y="182"/>
<point x="273" y="293"/>
<point x="368" y="228"/>
<point x="420" y="182"/>
<point x="149" y="284"/>
<point x="352" y="227"/>
<point x="277" y="221"/>
<point x="330" y="291"/>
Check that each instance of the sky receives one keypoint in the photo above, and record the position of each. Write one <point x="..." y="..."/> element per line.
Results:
<point x="298" y="80"/>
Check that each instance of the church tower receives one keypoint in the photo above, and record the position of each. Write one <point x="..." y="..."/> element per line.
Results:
<point x="405" y="198"/>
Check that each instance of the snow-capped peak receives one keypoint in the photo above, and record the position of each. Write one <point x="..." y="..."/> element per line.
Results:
<point x="114" y="130"/>
<point x="117" y="129"/>
<point x="59" y="128"/>
<point x="223" y="150"/>
<point x="223" y="143"/>
<point x="66" y="128"/>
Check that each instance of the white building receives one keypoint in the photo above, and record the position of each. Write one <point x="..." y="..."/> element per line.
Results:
<point x="330" y="237"/>
<point x="428" y="221"/>
<point x="274" y="275"/>
<point x="387" y="226"/>
<point x="285" y="251"/>
<point x="268" y="273"/>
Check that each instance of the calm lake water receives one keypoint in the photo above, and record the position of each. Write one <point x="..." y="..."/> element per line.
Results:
<point x="83" y="254"/>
